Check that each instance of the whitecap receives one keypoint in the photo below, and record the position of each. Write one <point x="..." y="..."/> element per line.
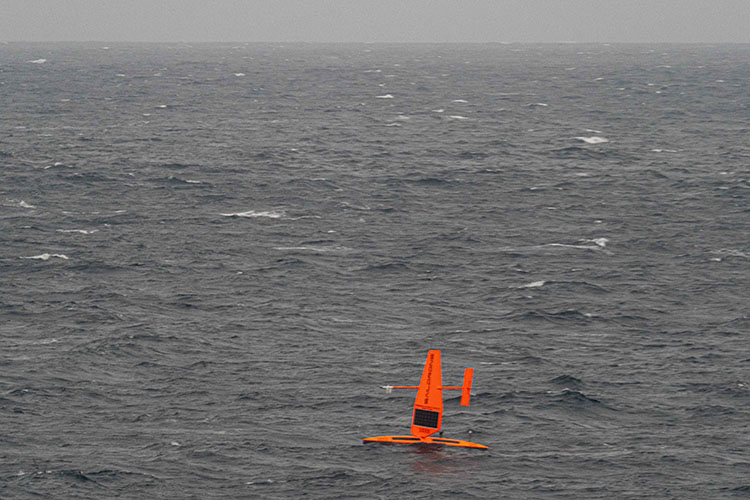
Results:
<point x="403" y="118"/>
<point x="80" y="231"/>
<point x="239" y="74"/>
<point x="162" y="106"/>
<point x="438" y="110"/>
<point x="458" y="117"/>
<point x="593" y="139"/>
<point x="315" y="249"/>
<point x="37" y="61"/>
<point x="537" y="104"/>
<point x="23" y="204"/>
<point x="593" y="131"/>
<point x="386" y="96"/>
<point x="393" y="124"/>
<point x="730" y="252"/>
<point x="46" y="256"/>
<point x="565" y="245"/>
<point x="460" y="100"/>
<point x="664" y="150"/>
<point x="534" y="284"/>
<point x="252" y="213"/>
<point x="602" y="242"/>
<point x="56" y="164"/>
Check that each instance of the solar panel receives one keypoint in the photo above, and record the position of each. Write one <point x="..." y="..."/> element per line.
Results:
<point x="426" y="418"/>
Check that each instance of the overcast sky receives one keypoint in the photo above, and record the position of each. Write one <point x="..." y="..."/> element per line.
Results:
<point x="376" y="20"/>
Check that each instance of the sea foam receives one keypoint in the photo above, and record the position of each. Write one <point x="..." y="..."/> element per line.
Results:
<point x="252" y="213"/>
<point x="46" y="256"/>
<point x="595" y="139"/>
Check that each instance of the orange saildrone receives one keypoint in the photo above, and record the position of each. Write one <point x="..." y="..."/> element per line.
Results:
<point x="427" y="418"/>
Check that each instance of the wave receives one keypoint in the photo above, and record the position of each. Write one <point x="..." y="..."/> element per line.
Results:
<point x="386" y="96"/>
<point x="534" y="284"/>
<point x="594" y="139"/>
<point x="80" y="231"/>
<point x="271" y="214"/>
<point x="574" y="400"/>
<point x="568" y="381"/>
<point x="47" y="256"/>
<point x="316" y="249"/>
<point x="557" y="317"/>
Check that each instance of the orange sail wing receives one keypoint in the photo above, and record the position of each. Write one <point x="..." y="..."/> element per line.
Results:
<point x="428" y="407"/>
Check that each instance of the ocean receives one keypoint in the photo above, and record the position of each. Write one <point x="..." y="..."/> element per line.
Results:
<point x="213" y="255"/>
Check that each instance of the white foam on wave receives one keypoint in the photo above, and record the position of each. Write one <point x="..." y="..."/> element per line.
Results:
<point x="534" y="284"/>
<point x="23" y="204"/>
<point x="438" y="110"/>
<point x="463" y="101"/>
<point x="537" y="104"/>
<point x="56" y="164"/>
<point x="271" y="214"/>
<point x="386" y="96"/>
<point x="37" y="61"/>
<point x="730" y="252"/>
<point x="458" y="117"/>
<point x="239" y="74"/>
<point x="602" y="242"/>
<point x="46" y="256"/>
<point x="315" y="249"/>
<point x="598" y="244"/>
<point x="79" y="231"/>
<point x="393" y="124"/>
<point x="664" y="150"/>
<point x="594" y="139"/>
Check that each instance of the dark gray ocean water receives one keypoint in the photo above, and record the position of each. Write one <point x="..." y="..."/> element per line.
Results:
<point x="212" y="256"/>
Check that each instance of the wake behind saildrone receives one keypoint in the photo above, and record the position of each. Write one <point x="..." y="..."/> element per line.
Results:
<point x="427" y="417"/>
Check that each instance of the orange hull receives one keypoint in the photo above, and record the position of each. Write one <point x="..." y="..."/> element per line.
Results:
<point x="426" y="440"/>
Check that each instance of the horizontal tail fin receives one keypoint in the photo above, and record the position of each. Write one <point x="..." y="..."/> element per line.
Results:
<point x="466" y="389"/>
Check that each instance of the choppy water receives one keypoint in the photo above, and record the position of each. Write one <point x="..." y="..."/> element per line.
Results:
<point x="213" y="255"/>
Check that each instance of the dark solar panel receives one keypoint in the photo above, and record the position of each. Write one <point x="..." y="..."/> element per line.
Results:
<point x="426" y="418"/>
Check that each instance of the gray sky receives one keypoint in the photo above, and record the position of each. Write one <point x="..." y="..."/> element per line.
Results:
<point x="376" y="20"/>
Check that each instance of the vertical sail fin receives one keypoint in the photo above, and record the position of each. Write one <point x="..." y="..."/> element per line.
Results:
<point x="428" y="407"/>
<point x="466" y="389"/>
